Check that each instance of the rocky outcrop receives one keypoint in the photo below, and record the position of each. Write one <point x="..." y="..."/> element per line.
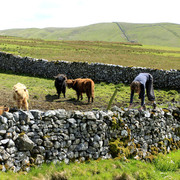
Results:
<point x="98" y="72"/>
<point x="34" y="137"/>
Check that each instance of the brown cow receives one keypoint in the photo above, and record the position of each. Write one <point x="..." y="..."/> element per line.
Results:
<point x="3" y="109"/>
<point x="82" y="86"/>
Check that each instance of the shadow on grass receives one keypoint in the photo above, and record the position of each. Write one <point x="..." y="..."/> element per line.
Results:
<point x="52" y="98"/>
<point x="76" y="102"/>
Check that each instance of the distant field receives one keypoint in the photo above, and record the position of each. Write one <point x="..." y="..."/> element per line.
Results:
<point x="162" y="34"/>
<point x="126" y="54"/>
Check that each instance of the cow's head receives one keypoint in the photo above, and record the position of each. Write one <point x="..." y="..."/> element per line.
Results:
<point x="70" y="83"/>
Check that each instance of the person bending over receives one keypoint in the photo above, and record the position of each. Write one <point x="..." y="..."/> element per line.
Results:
<point x="142" y="82"/>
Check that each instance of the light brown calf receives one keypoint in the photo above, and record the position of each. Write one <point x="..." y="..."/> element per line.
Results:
<point x="21" y="95"/>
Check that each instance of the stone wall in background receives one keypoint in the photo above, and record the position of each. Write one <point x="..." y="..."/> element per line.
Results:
<point x="36" y="137"/>
<point x="97" y="71"/>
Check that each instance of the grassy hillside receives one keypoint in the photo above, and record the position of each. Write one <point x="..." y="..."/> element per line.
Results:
<point x="97" y="32"/>
<point x="125" y="54"/>
<point x="163" y="34"/>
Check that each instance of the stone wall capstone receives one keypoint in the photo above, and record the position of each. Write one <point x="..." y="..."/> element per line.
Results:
<point x="36" y="137"/>
<point x="98" y="72"/>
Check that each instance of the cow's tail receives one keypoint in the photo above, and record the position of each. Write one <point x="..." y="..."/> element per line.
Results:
<point x="92" y="90"/>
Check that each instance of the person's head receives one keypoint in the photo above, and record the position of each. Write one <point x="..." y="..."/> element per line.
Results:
<point x="135" y="85"/>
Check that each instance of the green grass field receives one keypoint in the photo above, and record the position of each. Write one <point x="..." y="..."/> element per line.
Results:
<point x="125" y="54"/>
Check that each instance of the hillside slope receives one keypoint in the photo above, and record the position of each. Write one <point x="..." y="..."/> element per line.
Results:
<point x="163" y="34"/>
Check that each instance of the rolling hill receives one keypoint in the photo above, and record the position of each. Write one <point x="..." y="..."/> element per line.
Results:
<point x="162" y="34"/>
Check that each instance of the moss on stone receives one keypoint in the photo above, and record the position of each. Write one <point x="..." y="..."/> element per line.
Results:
<point x="22" y="134"/>
<point x="154" y="150"/>
<point x="177" y="131"/>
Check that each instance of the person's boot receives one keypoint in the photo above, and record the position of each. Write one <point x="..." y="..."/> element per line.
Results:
<point x="144" y="107"/>
<point x="154" y="106"/>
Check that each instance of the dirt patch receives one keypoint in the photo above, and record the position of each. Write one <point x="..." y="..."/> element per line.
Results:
<point x="52" y="102"/>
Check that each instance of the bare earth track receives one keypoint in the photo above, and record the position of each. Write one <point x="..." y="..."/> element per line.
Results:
<point x="50" y="102"/>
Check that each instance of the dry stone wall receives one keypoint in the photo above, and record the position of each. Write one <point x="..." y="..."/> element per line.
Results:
<point x="36" y="137"/>
<point x="97" y="71"/>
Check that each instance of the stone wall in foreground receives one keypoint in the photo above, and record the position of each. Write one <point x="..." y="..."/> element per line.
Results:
<point x="36" y="137"/>
<point x="97" y="71"/>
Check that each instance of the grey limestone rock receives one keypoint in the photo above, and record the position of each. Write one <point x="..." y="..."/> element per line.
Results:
<point x="90" y="115"/>
<point x="37" y="114"/>
<point x="24" y="143"/>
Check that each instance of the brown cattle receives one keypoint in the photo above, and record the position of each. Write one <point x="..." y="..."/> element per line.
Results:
<point x="3" y="109"/>
<point x="21" y="95"/>
<point x="82" y="86"/>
